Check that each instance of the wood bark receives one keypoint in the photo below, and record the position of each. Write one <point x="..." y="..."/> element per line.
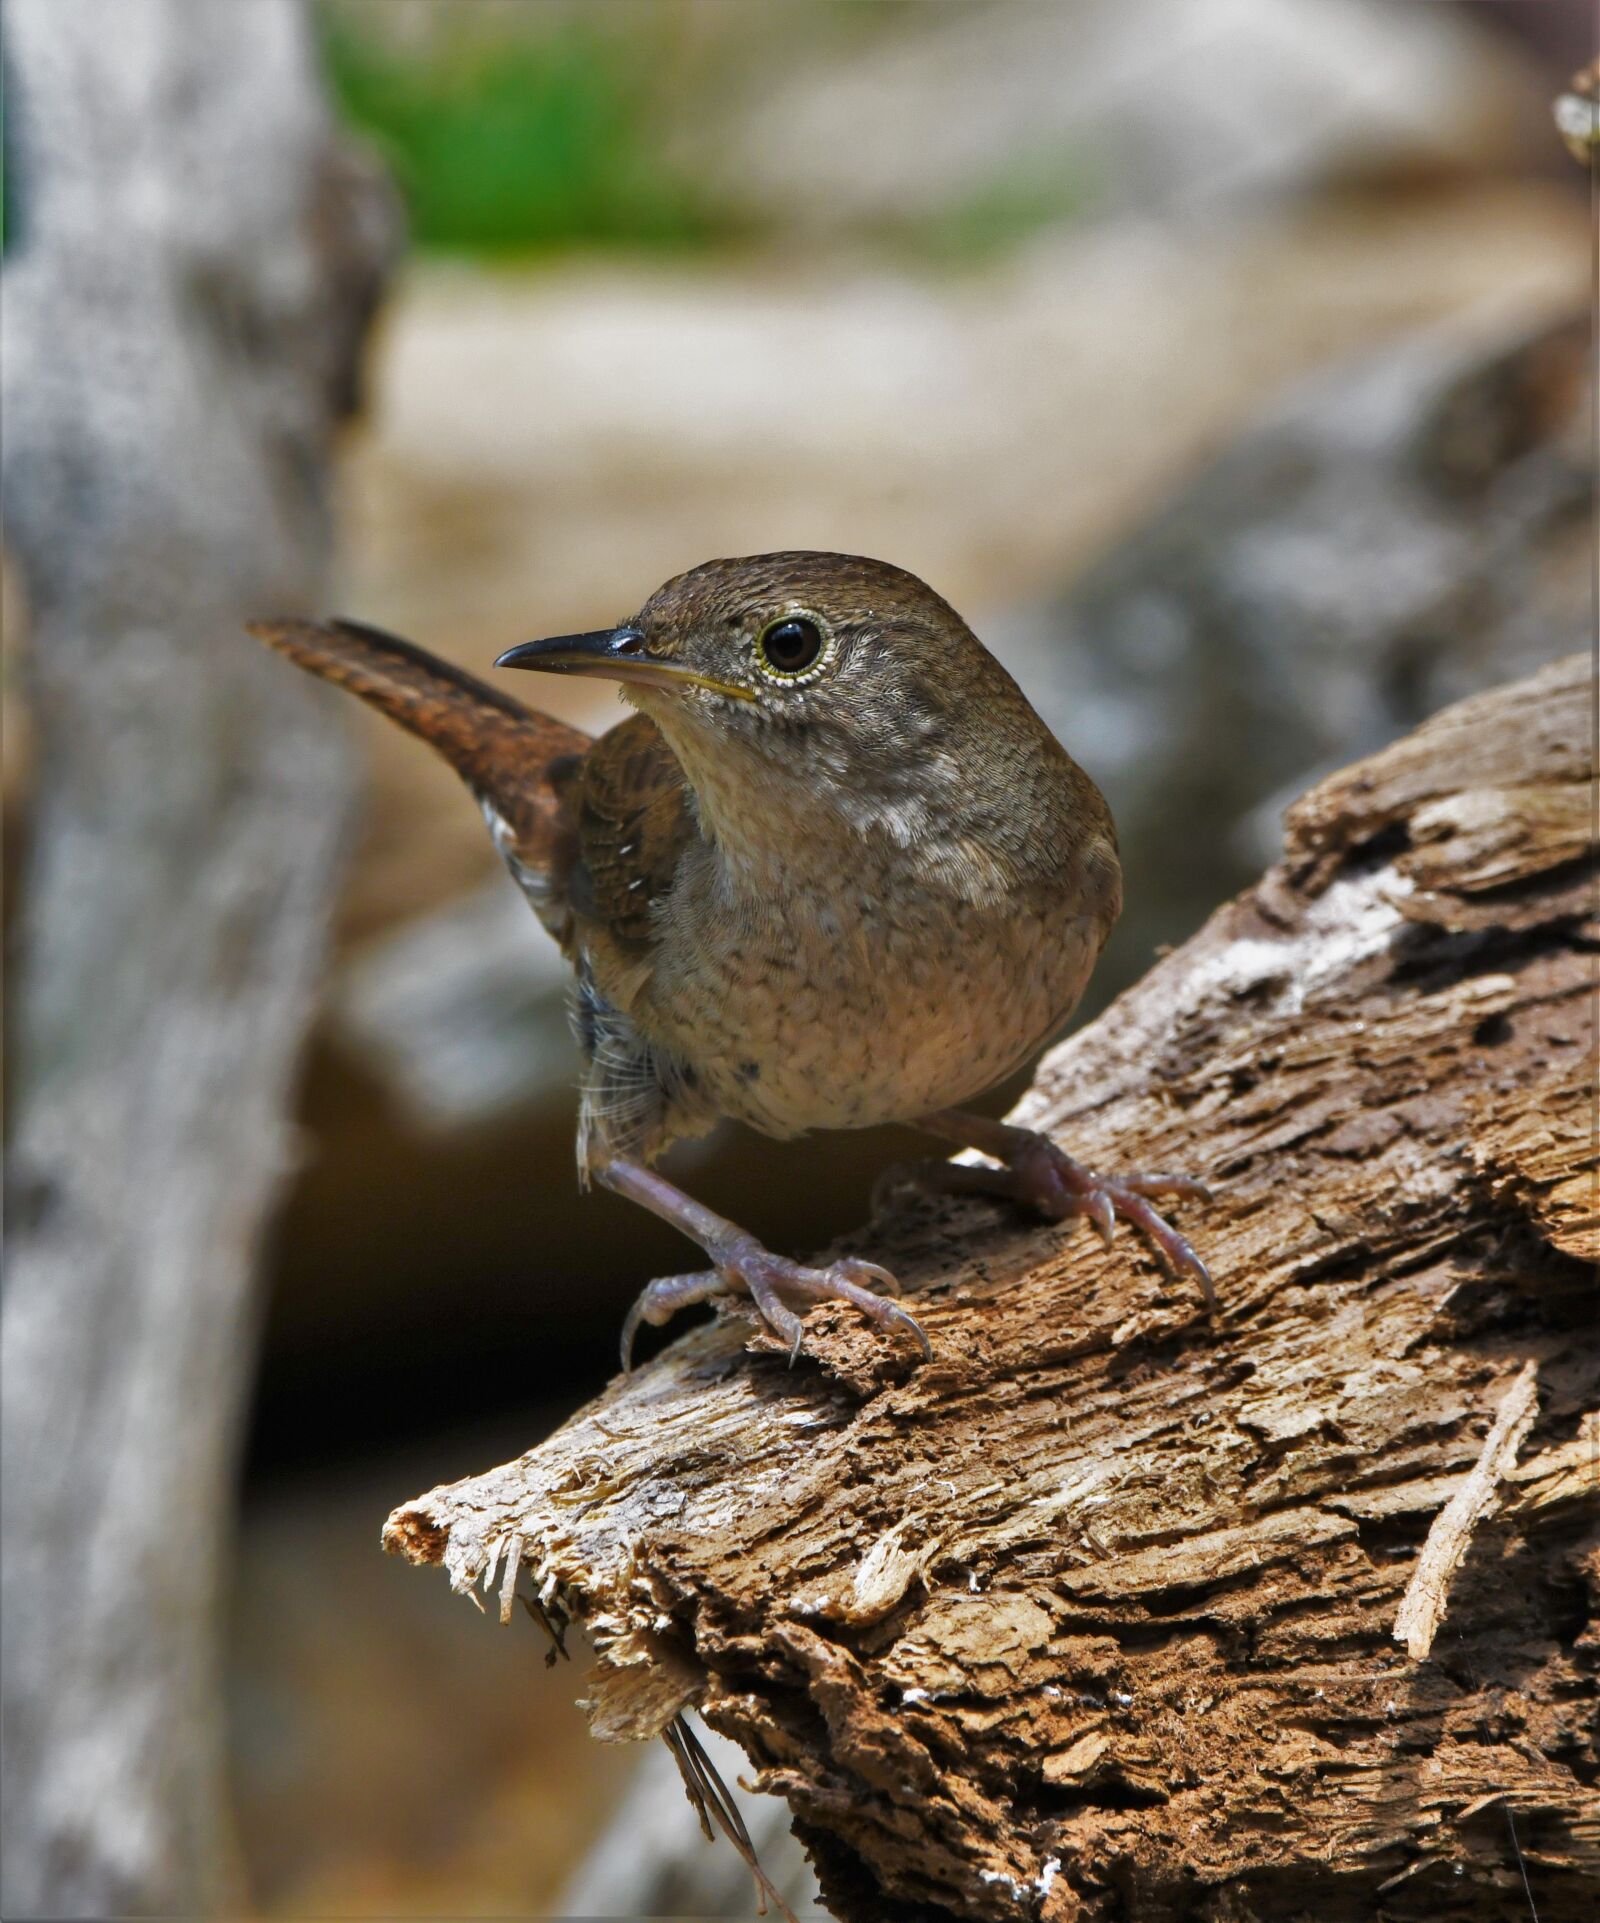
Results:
<point x="1096" y="1614"/>
<point x="190" y="266"/>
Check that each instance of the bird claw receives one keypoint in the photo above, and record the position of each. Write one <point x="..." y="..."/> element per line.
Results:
<point x="1097" y="1205"/>
<point x="661" y="1300"/>
<point x="1038" y="1174"/>
<point x="1061" y="1187"/>
<point x="746" y="1268"/>
<point x="856" y="1267"/>
<point x="1180" y="1185"/>
<point x="769" y="1278"/>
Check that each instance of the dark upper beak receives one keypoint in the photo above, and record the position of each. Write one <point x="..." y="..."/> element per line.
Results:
<point x="616" y="654"/>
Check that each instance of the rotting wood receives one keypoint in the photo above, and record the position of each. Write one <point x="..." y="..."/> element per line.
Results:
<point x="1093" y="1615"/>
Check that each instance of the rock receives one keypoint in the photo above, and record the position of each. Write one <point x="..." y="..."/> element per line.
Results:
<point x="1396" y="534"/>
<point x="651" y="1858"/>
<point x="1139" y="106"/>
<point x="462" y="1012"/>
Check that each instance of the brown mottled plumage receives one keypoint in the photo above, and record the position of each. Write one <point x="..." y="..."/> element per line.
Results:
<point x="835" y="872"/>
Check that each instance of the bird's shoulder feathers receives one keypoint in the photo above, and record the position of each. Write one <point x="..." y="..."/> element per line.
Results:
<point x="629" y="801"/>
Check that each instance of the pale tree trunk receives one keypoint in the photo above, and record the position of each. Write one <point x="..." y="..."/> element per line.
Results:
<point x="189" y="270"/>
<point x="1113" y="1612"/>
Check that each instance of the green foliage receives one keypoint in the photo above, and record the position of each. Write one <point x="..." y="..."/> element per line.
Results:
<point x="518" y="143"/>
<point x="518" y="131"/>
<point x="996" y="217"/>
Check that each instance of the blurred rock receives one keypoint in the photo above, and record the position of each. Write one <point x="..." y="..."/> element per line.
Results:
<point x="1396" y="534"/>
<point x="1140" y="106"/>
<point x="652" y="1859"/>
<point x="463" y="1012"/>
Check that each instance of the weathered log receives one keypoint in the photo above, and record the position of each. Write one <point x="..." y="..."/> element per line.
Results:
<point x="1096" y="1614"/>
<point x="191" y="262"/>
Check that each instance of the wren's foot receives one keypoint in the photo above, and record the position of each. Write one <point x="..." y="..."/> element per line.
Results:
<point x="773" y="1282"/>
<point x="741" y="1266"/>
<point x="1035" y="1172"/>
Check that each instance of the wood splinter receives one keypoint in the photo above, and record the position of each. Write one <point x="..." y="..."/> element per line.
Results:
<point x="1423" y="1605"/>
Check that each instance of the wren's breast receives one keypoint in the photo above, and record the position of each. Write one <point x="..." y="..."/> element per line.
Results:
<point x="845" y="1005"/>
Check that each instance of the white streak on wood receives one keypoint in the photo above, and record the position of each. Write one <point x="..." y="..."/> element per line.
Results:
<point x="1350" y="923"/>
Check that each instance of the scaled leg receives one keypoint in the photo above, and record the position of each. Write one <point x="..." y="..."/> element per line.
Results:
<point x="740" y="1265"/>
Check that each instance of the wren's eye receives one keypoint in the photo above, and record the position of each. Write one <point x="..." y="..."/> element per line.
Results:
<point x="787" y="647"/>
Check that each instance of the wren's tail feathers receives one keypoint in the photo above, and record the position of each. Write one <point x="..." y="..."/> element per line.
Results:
<point x="511" y="757"/>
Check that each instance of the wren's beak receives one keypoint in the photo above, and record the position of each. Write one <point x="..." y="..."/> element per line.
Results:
<point x="615" y="654"/>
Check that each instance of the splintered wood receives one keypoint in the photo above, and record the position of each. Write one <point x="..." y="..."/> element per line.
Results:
<point x="1095" y="1614"/>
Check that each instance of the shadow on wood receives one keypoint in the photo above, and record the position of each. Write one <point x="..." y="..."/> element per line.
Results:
<point x="1096" y="1614"/>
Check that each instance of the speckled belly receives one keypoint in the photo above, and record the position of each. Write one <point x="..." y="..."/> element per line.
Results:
<point x="823" y="1018"/>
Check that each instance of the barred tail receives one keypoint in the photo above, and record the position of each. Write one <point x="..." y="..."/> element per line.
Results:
<point x="511" y="757"/>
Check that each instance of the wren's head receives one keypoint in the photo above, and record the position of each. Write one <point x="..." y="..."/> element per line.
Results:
<point x="827" y="681"/>
<point x="779" y="641"/>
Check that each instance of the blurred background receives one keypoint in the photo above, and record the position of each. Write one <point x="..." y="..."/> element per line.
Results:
<point x="1224" y="361"/>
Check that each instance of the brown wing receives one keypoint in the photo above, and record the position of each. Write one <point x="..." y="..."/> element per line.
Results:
<point x="630" y="803"/>
<point x="517" y="762"/>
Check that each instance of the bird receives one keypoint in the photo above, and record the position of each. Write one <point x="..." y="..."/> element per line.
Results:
<point x="833" y="871"/>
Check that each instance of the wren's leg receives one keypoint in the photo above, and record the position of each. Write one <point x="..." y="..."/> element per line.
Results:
<point x="1040" y="1175"/>
<point x="771" y="1281"/>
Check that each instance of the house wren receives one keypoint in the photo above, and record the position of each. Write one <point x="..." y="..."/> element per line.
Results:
<point x="834" y="872"/>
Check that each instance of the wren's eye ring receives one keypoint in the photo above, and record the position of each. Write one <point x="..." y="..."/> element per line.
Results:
<point x="788" y="648"/>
